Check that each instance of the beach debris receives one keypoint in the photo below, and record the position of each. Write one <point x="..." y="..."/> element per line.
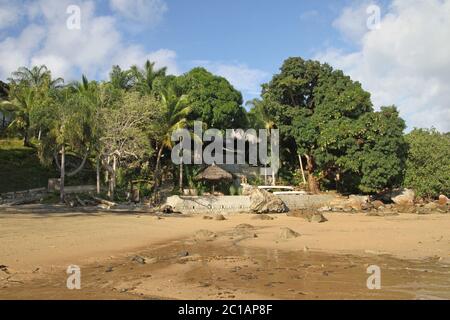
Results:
<point x="262" y="217"/>
<point x="207" y="218"/>
<point x="138" y="259"/>
<point x="204" y="235"/>
<point x="183" y="254"/>
<point x="109" y="269"/>
<point x="286" y="234"/>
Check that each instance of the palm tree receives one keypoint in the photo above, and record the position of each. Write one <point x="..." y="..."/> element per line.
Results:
<point x="121" y="79"/>
<point x="145" y="78"/>
<point x="24" y="99"/>
<point x="175" y="116"/>
<point x="263" y="118"/>
<point x="36" y="77"/>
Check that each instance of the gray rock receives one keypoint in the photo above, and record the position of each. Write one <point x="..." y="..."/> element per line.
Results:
<point x="263" y="201"/>
<point x="403" y="196"/>
<point x="219" y="217"/>
<point x="318" y="218"/>
<point x="138" y="259"/>
<point x="286" y="234"/>
<point x="205" y="235"/>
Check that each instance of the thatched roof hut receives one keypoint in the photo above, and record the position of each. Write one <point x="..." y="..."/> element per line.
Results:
<point x="214" y="173"/>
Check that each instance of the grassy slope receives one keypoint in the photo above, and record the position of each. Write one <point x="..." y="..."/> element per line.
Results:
<point x="20" y="168"/>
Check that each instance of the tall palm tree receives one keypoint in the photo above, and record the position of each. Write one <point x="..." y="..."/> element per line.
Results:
<point x="175" y="116"/>
<point x="121" y="79"/>
<point x="145" y="78"/>
<point x="20" y="106"/>
<point x="36" y="77"/>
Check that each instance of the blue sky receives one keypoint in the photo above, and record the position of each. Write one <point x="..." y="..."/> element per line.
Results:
<point x="404" y="60"/>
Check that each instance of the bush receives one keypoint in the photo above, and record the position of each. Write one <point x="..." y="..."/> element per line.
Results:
<point x="428" y="163"/>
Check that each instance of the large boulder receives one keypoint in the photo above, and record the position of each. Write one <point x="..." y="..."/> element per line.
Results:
<point x="263" y="201"/>
<point x="443" y="200"/>
<point x="403" y="197"/>
<point x="357" y="202"/>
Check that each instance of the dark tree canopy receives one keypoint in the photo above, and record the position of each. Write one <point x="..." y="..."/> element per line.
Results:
<point x="428" y="164"/>
<point x="213" y="99"/>
<point x="329" y="119"/>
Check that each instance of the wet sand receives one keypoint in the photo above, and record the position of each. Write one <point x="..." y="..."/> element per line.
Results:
<point x="327" y="261"/>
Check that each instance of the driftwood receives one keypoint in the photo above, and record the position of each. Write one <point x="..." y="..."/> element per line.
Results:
<point x="105" y="202"/>
<point x="25" y="201"/>
<point x="81" y="202"/>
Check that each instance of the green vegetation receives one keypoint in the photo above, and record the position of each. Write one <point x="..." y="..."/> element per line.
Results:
<point x="428" y="164"/>
<point x="117" y="133"/>
<point x="21" y="168"/>
<point x="327" y="122"/>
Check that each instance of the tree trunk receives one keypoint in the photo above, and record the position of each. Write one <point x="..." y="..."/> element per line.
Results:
<point x="63" y="173"/>
<point x="26" y="139"/>
<point x="39" y="134"/>
<point x="301" y="168"/>
<point x="274" y="182"/>
<point x="98" y="174"/>
<point x="313" y="185"/>
<point x="113" y="177"/>
<point x="181" y="170"/>
<point x="157" y="168"/>
<point x="107" y="179"/>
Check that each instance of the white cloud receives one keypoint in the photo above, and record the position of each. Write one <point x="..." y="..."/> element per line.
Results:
<point x="246" y="79"/>
<point x="405" y="62"/>
<point x="135" y="55"/>
<point x="91" y="50"/>
<point x="10" y="14"/>
<point x="352" y="22"/>
<point x="150" y="12"/>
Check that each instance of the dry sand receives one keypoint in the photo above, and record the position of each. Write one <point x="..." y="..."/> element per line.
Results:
<point x="327" y="261"/>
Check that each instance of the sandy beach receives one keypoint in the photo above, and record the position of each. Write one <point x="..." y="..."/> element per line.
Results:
<point x="237" y="258"/>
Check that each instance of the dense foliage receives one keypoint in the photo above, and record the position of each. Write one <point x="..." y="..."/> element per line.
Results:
<point x="328" y="120"/>
<point x="428" y="164"/>
<point x="122" y="127"/>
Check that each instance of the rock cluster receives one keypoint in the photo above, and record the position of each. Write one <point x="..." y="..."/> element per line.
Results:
<point x="264" y="202"/>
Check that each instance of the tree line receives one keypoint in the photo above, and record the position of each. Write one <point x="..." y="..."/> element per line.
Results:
<point x="331" y="136"/>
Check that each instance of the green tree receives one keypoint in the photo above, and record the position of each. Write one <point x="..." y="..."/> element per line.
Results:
<point x="328" y="119"/>
<point x="175" y="116"/>
<point x="259" y="117"/>
<point x="213" y="100"/>
<point x="428" y="163"/>
<point x="68" y="130"/>
<point x="144" y="79"/>
<point x="121" y="79"/>
<point x="37" y="76"/>
<point x="23" y="99"/>
<point x="127" y="128"/>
